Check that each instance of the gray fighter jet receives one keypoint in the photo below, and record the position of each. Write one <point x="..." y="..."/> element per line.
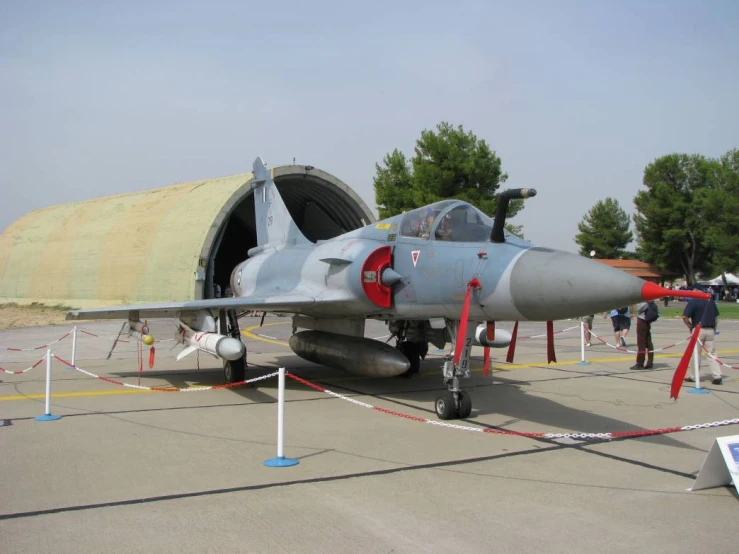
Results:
<point x="427" y="273"/>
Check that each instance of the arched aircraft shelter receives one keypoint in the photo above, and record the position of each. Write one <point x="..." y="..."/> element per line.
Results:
<point x="165" y="244"/>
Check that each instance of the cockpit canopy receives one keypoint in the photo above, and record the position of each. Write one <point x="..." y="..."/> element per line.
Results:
<point x="448" y="220"/>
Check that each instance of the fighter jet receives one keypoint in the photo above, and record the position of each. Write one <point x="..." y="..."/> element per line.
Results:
<point x="427" y="273"/>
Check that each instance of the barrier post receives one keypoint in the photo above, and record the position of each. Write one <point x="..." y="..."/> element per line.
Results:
<point x="280" y="460"/>
<point x="696" y="370"/>
<point x="582" y="344"/>
<point x="47" y="415"/>
<point x="74" y="346"/>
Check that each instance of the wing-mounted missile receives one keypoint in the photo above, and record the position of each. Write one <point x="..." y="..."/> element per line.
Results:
<point x="220" y="346"/>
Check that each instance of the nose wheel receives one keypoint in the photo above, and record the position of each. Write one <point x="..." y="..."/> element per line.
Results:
<point x="453" y="405"/>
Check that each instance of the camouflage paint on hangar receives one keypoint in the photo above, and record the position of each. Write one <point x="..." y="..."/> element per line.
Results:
<point x="149" y="245"/>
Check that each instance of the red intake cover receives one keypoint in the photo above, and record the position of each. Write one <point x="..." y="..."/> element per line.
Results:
<point x="372" y="270"/>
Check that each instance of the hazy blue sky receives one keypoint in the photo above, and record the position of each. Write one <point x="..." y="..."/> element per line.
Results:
<point x="98" y="98"/>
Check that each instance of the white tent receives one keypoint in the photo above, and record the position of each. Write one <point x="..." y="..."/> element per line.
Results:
<point x="731" y="279"/>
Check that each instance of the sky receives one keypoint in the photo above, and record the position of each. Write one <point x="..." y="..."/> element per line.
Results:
<point x="576" y="97"/>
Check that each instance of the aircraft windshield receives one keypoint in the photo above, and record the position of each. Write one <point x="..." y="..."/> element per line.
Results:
<point x="464" y="223"/>
<point x="420" y="223"/>
<point x="448" y="220"/>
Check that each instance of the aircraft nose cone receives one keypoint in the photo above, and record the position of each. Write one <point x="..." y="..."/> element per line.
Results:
<point x="549" y="284"/>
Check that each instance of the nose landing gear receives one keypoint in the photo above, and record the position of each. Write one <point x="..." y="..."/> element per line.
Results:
<point x="455" y="403"/>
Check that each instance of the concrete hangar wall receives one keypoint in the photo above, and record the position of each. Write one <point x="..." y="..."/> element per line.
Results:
<point x="166" y="244"/>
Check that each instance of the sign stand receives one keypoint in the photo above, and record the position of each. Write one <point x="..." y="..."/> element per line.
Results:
<point x="721" y="465"/>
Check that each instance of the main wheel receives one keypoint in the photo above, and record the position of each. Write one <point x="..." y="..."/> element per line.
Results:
<point x="235" y="370"/>
<point x="465" y="405"/>
<point x="445" y="407"/>
<point x="410" y="350"/>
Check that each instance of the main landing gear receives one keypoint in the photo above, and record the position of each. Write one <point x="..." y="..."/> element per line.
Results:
<point x="234" y="370"/>
<point x="455" y="403"/>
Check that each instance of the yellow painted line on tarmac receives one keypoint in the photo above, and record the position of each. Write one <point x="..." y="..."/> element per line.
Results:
<point x="248" y="333"/>
<point x="74" y="394"/>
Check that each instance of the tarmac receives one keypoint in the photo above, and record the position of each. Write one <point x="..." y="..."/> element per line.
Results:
<point x="135" y="470"/>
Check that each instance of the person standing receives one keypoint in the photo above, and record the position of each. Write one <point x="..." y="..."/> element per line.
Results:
<point x="644" y="345"/>
<point x="621" y="320"/>
<point x="705" y="313"/>
<point x="588" y="321"/>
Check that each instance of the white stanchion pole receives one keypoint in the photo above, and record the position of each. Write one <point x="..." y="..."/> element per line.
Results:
<point x="281" y="413"/>
<point x="582" y="344"/>
<point x="280" y="460"/>
<point x="696" y="370"/>
<point x="47" y="415"/>
<point x="697" y="365"/>
<point x="74" y="345"/>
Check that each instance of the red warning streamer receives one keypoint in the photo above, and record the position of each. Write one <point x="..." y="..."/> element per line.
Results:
<point x="551" y="357"/>
<point x="462" y="333"/>
<point x="682" y="367"/>
<point x="512" y="346"/>
<point x="490" y="336"/>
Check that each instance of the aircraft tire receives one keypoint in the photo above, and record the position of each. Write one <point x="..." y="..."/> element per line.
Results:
<point x="465" y="405"/>
<point x="444" y="406"/>
<point x="235" y="370"/>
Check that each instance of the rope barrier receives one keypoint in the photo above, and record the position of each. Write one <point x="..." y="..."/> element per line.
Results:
<point x="60" y="339"/>
<point x="543" y="335"/>
<point x="627" y="351"/>
<point x="24" y="370"/>
<point x="716" y="358"/>
<point x="582" y="436"/>
<point x="164" y="389"/>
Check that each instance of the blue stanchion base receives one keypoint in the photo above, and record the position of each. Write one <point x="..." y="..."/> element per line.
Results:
<point x="47" y="417"/>
<point x="583" y="363"/>
<point x="697" y="391"/>
<point x="439" y="351"/>
<point x="281" y="461"/>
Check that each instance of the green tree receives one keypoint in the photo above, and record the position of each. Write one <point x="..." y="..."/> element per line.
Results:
<point x="393" y="185"/>
<point x="448" y="163"/>
<point x="721" y="206"/>
<point x="605" y="229"/>
<point x="672" y="221"/>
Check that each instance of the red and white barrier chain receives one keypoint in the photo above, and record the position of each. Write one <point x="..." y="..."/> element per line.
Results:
<point x="164" y="389"/>
<point x="23" y="370"/>
<point x="111" y="337"/>
<point x="583" y="436"/>
<point x="60" y="339"/>
<point x="627" y="351"/>
<point x="718" y="360"/>
<point x="543" y="335"/>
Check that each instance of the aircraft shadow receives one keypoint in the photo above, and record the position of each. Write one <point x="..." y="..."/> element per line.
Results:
<point x="504" y="396"/>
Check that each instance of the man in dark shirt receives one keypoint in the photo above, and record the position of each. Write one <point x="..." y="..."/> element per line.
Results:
<point x="706" y="313"/>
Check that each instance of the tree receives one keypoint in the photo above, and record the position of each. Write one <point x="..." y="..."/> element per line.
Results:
<point x="447" y="163"/>
<point x="605" y="229"/>
<point x="721" y="206"/>
<point x="673" y="221"/>
<point x="393" y="188"/>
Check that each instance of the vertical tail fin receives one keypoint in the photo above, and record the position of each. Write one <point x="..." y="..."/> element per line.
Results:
<point x="275" y="225"/>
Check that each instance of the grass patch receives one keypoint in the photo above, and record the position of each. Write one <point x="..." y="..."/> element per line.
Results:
<point x="728" y="310"/>
<point x="37" y="306"/>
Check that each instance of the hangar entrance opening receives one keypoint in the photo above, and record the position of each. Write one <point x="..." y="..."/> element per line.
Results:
<point x="322" y="206"/>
